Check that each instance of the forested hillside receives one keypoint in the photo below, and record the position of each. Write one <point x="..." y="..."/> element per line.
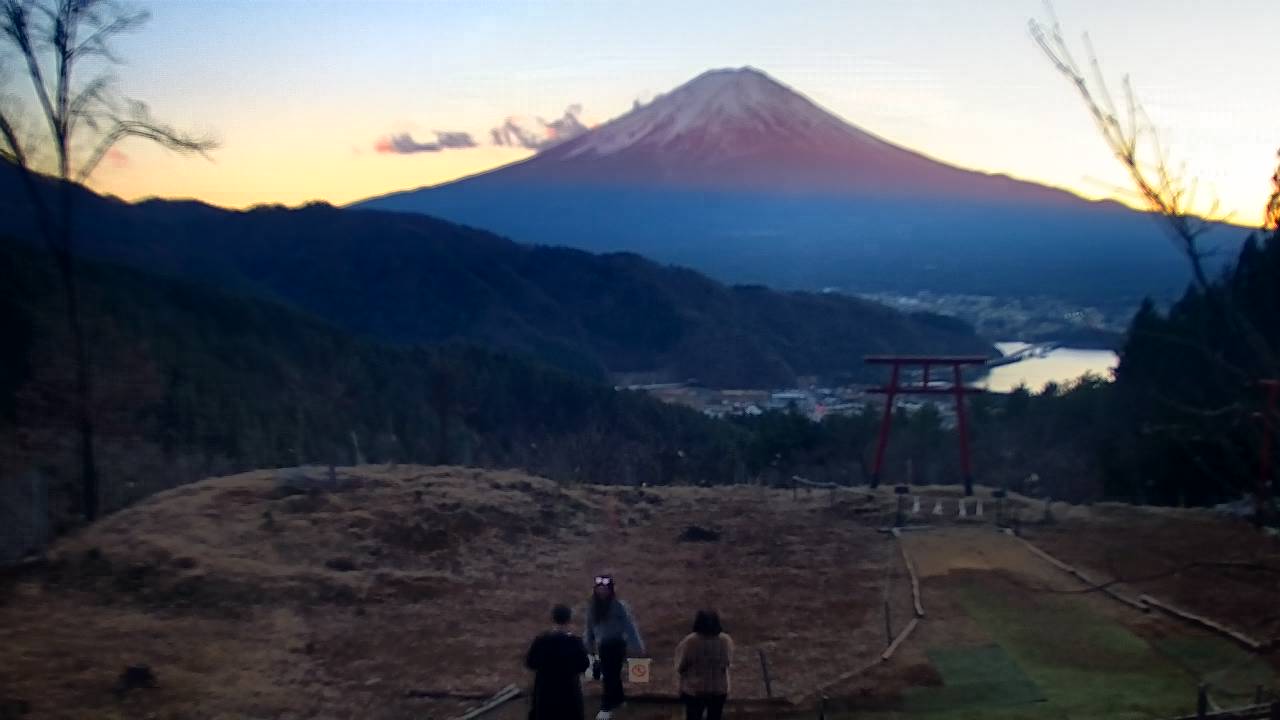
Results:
<point x="1185" y="421"/>
<point x="192" y="382"/>
<point x="411" y="279"/>
<point x="1189" y="397"/>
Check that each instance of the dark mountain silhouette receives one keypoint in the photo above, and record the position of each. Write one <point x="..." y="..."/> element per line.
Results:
<point x="411" y="279"/>
<point x="739" y="176"/>
<point x="192" y="381"/>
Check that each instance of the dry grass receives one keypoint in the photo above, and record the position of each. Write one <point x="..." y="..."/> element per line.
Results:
<point x="351" y="600"/>
<point x="339" y="603"/>
<point x="1220" y="567"/>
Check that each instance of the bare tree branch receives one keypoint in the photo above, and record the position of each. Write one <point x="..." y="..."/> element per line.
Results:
<point x="16" y="26"/>
<point x="1162" y="189"/>
<point x="97" y="42"/>
<point x="1165" y="191"/>
<point x="51" y="37"/>
<point x="141" y="126"/>
<point x="1271" y="215"/>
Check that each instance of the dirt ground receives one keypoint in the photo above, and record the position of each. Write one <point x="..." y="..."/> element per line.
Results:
<point x="250" y="597"/>
<point x="384" y="592"/>
<point x="1219" y="567"/>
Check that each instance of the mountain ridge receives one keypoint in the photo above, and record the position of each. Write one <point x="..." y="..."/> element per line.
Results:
<point x="741" y="177"/>
<point x="410" y="279"/>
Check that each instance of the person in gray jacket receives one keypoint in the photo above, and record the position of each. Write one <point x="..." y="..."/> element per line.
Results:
<point x="611" y="633"/>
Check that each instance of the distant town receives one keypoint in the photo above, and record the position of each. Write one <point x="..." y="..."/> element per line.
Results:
<point x="813" y="401"/>
<point x="1046" y="321"/>
<point x="1028" y="319"/>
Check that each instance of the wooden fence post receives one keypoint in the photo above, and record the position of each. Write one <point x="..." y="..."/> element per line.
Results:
<point x="888" y="626"/>
<point x="764" y="670"/>
<point x="901" y="491"/>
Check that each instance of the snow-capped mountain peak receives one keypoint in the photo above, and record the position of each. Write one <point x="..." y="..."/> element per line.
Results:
<point x="713" y="111"/>
<point x="740" y="130"/>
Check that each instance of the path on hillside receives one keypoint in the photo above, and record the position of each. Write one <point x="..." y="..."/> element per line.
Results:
<point x="1007" y="635"/>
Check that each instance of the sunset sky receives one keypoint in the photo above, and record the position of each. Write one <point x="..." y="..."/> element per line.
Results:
<point x="302" y="94"/>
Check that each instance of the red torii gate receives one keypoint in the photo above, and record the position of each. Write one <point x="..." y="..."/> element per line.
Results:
<point x="956" y="388"/>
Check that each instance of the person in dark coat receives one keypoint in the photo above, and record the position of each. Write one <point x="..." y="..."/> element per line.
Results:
<point x="612" y="632"/>
<point x="558" y="659"/>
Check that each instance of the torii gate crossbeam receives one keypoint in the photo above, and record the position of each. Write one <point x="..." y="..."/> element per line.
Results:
<point x="956" y="388"/>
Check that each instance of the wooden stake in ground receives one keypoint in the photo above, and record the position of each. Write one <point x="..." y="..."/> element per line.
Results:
<point x="1236" y="635"/>
<point x="915" y="580"/>
<point x="1107" y="588"/>
<point x="502" y="697"/>
<point x="764" y="672"/>
<point x="902" y="636"/>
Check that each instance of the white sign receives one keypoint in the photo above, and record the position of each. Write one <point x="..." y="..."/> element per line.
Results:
<point x="638" y="670"/>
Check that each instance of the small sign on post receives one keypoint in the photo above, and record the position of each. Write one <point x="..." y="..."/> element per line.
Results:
<point x="901" y="491"/>
<point x="638" y="670"/>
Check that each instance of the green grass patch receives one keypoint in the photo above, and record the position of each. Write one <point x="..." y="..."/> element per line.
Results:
<point x="1055" y="649"/>
<point x="1232" y="672"/>
<point x="982" y="676"/>
<point x="1087" y="664"/>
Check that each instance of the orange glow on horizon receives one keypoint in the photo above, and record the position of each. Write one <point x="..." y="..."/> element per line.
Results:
<point x="238" y="181"/>
<point x="361" y="174"/>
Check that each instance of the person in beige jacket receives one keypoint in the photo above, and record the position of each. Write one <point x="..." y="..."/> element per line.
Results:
<point x="703" y="659"/>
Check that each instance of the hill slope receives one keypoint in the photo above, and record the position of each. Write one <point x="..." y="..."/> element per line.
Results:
<point x="743" y="178"/>
<point x="412" y="279"/>
<point x="379" y="595"/>
<point x="374" y="596"/>
<point x="191" y="381"/>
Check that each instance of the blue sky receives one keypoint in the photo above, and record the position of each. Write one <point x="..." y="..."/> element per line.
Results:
<point x="300" y="91"/>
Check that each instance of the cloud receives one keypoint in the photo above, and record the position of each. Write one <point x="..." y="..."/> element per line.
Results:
<point x="453" y="139"/>
<point x="539" y="134"/>
<point x="404" y="144"/>
<point x="117" y="158"/>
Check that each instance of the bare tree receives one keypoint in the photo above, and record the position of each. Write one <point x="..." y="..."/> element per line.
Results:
<point x="1271" y="214"/>
<point x="1132" y="138"/>
<point x="82" y="120"/>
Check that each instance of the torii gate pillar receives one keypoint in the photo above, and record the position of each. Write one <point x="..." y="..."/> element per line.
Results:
<point x="956" y="388"/>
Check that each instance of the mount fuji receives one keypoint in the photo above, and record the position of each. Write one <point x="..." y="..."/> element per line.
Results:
<point x="738" y="175"/>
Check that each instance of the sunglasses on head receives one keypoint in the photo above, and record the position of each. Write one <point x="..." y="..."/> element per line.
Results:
<point x="604" y="581"/>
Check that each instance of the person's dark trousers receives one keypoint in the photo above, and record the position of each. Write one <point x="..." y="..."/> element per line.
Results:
<point x="613" y="655"/>
<point x="696" y="705"/>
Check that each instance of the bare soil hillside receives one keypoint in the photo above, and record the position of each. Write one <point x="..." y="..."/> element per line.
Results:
<point x="409" y="592"/>
<point x="282" y="594"/>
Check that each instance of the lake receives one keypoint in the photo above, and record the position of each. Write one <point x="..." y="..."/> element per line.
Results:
<point x="1060" y="366"/>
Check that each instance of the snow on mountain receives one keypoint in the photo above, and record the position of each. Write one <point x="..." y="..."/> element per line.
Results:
<point x="739" y="129"/>
<point x="720" y="105"/>
<point x="738" y="175"/>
